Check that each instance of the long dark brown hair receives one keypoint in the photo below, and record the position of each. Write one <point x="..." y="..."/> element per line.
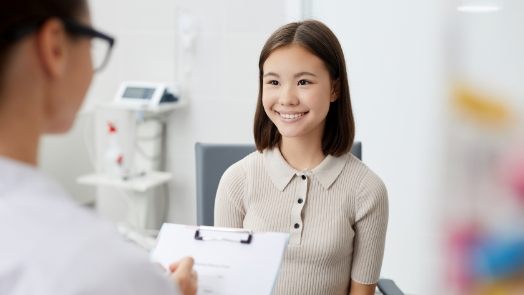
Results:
<point x="317" y="38"/>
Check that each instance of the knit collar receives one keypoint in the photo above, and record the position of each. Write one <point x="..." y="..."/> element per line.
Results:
<point x="281" y="173"/>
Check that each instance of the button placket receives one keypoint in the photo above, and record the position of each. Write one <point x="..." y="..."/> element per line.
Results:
<point x="298" y="205"/>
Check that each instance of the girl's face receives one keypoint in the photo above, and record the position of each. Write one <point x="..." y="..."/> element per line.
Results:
<point x="297" y="92"/>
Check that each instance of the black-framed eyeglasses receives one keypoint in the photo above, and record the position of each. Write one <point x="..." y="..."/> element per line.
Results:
<point x="101" y="44"/>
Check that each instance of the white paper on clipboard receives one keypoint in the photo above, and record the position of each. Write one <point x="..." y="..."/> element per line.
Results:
<point x="228" y="261"/>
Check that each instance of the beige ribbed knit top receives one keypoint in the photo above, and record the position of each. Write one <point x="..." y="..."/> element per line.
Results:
<point x="336" y="215"/>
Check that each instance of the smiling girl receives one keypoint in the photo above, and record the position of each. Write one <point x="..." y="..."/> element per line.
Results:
<point x="303" y="179"/>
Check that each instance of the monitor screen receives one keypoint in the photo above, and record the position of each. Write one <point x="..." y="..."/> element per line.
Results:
<point x="139" y="92"/>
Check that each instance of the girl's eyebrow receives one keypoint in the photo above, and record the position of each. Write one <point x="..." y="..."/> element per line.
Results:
<point x="295" y="76"/>
<point x="304" y="74"/>
<point x="271" y="74"/>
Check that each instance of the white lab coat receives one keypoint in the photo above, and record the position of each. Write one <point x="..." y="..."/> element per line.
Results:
<point x="49" y="245"/>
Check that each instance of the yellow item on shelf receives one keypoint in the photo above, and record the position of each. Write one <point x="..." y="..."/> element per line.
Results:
<point x="482" y="107"/>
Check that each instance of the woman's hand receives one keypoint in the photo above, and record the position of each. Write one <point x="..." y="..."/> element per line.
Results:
<point x="184" y="276"/>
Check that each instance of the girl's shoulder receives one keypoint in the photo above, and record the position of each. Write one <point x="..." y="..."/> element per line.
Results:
<point x="242" y="167"/>
<point x="356" y="167"/>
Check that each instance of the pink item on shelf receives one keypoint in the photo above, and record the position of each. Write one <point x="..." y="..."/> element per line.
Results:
<point x="512" y="171"/>
<point x="462" y="238"/>
<point x="517" y="179"/>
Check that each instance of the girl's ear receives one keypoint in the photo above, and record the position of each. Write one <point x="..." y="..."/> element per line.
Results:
<point x="335" y="90"/>
<point x="52" y="49"/>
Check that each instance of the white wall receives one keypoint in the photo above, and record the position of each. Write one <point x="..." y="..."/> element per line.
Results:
<point x="394" y="55"/>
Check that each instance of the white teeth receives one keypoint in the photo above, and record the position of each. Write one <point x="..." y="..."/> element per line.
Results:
<point x="291" y="116"/>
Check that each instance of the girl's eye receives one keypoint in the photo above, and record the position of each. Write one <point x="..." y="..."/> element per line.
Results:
<point x="303" y="82"/>
<point x="273" y="82"/>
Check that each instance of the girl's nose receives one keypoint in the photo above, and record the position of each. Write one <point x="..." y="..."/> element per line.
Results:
<point x="287" y="96"/>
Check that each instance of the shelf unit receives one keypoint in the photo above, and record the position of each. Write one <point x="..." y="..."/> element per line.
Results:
<point x="138" y="183"/>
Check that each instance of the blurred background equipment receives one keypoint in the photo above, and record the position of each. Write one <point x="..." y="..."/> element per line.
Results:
<point x="484" y="174"/>
<point x="130" y="155"/>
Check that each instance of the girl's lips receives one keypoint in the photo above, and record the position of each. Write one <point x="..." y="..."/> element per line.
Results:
<point x="291" y="116"/>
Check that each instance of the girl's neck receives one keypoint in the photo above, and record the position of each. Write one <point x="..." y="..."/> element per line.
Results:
<point x="302" y="154"/>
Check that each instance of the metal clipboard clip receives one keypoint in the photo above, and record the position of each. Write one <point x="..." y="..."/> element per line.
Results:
<point x="200" y="237"/>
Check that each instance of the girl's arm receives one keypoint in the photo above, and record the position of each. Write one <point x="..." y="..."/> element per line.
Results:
<point x="371" y="218"/>
<point x="229" y="205"/>
<point x="360" y="289"/>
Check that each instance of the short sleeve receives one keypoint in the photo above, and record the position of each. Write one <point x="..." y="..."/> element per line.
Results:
<point x="371" y="219"/>
<point x="229" y="205"/>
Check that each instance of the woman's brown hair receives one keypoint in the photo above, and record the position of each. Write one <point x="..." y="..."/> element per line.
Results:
<point x="339" y="129"/>
<point x="17" y="17"/>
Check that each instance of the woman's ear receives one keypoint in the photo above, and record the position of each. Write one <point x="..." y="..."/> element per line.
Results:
<point x="335" y="90"/>
<point x="51" y="42"/>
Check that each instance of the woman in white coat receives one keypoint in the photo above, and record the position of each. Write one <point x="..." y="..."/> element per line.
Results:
<point x="48" y="244"/>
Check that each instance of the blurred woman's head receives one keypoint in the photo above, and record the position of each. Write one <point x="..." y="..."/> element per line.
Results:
<point x="20" y="17"/>
<point x="45" y="63"/>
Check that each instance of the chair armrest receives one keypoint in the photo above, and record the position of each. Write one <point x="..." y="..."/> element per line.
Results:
<point x="388" y="287"/>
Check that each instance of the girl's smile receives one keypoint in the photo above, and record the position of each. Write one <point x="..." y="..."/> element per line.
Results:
<point x="290" y="117"/>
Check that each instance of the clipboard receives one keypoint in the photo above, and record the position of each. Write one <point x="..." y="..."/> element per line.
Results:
<point x="228" y="261"/>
